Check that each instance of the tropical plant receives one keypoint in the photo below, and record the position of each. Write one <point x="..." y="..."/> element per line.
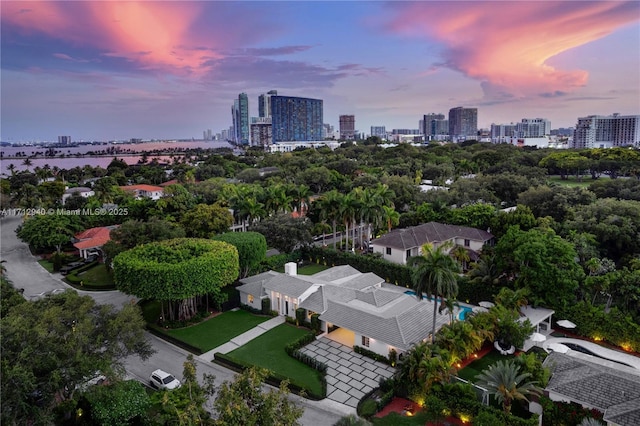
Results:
<point x="505" y="381"/>
<point x="434" y="273"/>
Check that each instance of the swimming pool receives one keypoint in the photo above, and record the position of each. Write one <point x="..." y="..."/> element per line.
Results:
<point x="462" y="314"/>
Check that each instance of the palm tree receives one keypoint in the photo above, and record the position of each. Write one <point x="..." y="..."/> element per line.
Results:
<point x="460" y="339"/>
<point x="435" y="273"/>
<point x="300" y="197"/>
<point x="505" y="381"/>
<point x="391" y="217"/>
<point x="485" y="271"/>
<point x="329" y="205"/>
<point x="511" y="299"/>
<point x="347" y="209"/>
<point x="461" y="255"/>
<point x="12" y="168"/>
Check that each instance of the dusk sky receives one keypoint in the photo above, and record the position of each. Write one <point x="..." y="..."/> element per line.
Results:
<point x="103" y="70"/>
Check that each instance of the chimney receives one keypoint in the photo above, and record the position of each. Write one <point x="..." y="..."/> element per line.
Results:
<point x="291" y="269"/>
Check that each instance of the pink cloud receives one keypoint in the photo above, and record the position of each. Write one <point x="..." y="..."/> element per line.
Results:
<point x="507" y="45"/>
<point x="122" y="29"/>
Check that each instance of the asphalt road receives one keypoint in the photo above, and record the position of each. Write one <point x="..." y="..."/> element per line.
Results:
<point x="24" y="272"/>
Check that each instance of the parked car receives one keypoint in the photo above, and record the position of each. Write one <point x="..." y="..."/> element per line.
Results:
<point x="162" y="380"/>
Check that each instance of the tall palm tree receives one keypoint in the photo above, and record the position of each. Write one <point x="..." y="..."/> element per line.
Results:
<point x="12" y="168"/>
<point x="461" y="255"/>
<point x="348" y="205"/>
<point x="329" y="205"/>
<point x="505" y="381"/>
<point x="435" y="273"/>
<point x="485" y="271"/>
<point x="391" y="217"/>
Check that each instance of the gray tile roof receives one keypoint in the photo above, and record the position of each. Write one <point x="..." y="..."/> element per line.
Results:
<point x="410" y="321"/>
<point x="360" y="281"/>
<point x="254" y="285"/>
<point x="286" y="284"/>
<point x="586" y="380"/>
<point x="336" y="273"/>
<point x="431" y="232"/>
<point x="377" y="297"/>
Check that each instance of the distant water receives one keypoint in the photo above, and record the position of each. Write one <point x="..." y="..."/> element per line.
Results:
<point x="105" y="149"/>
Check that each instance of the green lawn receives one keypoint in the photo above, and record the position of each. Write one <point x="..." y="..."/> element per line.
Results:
<point x="267" y="351"/>
<point x="471" y="371"/>
<point x="309" y="269"/>
<point x="217" y="330"/>
<point x="46" y="265"/>
<point x="98" y="276"/>
<point x="572" y="181"/>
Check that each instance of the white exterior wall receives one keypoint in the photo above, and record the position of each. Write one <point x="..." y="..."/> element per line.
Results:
<point x="281" y="306"/>
<point x="376" y="346"/>
<point x="396" y="256"/>
<point x="257" y="302"/>
<point x="474" y="245"/>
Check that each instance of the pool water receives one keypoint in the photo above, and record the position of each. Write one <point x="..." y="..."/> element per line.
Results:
<point x="464" y="310"/>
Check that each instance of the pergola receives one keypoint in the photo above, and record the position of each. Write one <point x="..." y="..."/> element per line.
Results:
<point x="540" y="318"/>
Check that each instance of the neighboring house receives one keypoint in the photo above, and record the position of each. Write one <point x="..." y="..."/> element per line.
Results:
<point x="80" y="190"/>
<point x="400" y="244"/>
<point x="609" y="387"/>
<point x="360" y="307"/>
<point x="91" y="241"/>
<point x="142" y="191"/>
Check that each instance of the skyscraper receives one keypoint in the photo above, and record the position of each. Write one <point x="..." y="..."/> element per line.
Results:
<point x="243" y="120"/>
<point x="379" y="131"/>
<point x="64" y="140"/>
<point x="347" y="127"/>
<point x="463" y="123"/>
<point x="296" y="119"/>
<point x="264" y="103"/>
<point x="597" y="131"/>
<point x="429" y="126"/>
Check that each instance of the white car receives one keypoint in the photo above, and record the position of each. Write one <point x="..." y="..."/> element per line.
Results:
<point x="162" y="380"/>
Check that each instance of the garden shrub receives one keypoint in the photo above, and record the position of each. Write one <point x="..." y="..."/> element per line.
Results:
<point x="393" y="357"/>
<point x="266" y="306"/>
<point x="251" y="309"/>
<point x="563" y="413"/>
<point x="300" y="316"/>
<point x="368" y="408"/>
<point x="315" y="323"/>
<point x="370" y="354"/>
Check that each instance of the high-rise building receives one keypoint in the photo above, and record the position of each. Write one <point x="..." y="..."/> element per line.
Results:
<point x="502" y="132"/>
<point x="347" y="127"/>
<point x="429" y="124"/>
<point x="533" y="128"/>
<point x="64" y="140"/>
<point x="240" y="116"/>
<point x="463" y="123"/>
<point x="379" y="131"/>
<point x="264" y="103"/>
<point x="296" y="119"/>
<point x="261" y="131"/>
<point x="597" y="131"/>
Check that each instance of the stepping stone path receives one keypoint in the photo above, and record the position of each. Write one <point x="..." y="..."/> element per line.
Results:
<point x="349" y="375"/>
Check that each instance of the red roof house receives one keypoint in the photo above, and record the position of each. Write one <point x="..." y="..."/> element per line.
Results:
<point x="90" y="240"/>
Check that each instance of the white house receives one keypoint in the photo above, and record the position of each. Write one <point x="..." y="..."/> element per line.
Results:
<point x="361" y="307"/>
<point x="80" y="190"/>
<point x="142" y="191"/>
<point x="400" y="244"/>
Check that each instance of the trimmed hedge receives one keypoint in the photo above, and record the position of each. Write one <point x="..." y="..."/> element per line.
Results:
<point x="370" y="354"/>
<point x="273" y="379"/>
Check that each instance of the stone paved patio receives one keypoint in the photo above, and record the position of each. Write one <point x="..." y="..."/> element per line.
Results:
<point x="349" y="375"/>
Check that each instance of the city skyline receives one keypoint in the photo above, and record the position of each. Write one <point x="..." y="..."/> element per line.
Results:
<point x="115" y="70"/>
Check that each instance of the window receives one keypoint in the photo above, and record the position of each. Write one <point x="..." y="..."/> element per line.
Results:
<point x="389" y="250"/>
<point x="365" y="341"/>
<point x="250" y="298"/>
<point x="408" y="253"/>
<point x="467" y="243"/>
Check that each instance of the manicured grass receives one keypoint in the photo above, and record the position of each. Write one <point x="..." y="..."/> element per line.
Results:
<point x="46" y="265"/>
<point x="217" y="330"/>
<point x="267" y="351"/>
<point x="309" y="269"/>
<point x="572" y="181"/>
<point x="471" y="371"/>
<point x="98" y="276"/>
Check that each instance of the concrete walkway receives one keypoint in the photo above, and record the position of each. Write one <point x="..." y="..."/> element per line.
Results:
<point x="245" y="337"/>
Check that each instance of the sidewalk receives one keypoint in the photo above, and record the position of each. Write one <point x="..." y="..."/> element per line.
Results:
<point x="245" y="337"/>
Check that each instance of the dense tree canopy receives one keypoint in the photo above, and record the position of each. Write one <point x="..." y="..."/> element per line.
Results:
<point x="252" y="249"/>
<point x="177" y="270"/>
<point x="51" y="346"/>
<point x="49" y="231"/>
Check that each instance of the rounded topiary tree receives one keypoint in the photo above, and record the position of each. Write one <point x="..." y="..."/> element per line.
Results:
<point x="252" y="249"/>
<point x="177" y="271"/>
